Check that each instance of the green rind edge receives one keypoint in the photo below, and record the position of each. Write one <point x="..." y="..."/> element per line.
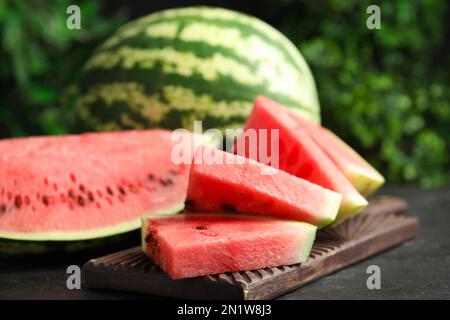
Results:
<point x="24" y="249"/>
<point x="121" y="228"/>
<point x="311" y="232"/>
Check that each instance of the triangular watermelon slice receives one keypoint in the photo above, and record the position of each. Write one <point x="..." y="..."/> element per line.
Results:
<point x="223" y="182"/>
<point x="361" y="174"/>
<point x="299" y="154"/>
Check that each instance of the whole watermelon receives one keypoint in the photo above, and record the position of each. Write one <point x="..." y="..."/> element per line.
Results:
<point x="175" y="66"/>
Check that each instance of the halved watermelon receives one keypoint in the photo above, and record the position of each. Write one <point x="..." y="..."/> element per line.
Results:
<point x="361" y="174"/>
<point x="223" y="182"/>
<point x="88" y="186"/>
<point x="191" y="245"/>
<point x="298" y="154"/>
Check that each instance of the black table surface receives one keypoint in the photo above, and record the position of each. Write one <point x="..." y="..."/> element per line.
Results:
<point x="418" y="269"/>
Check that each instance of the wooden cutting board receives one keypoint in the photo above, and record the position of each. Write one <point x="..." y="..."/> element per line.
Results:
<point x="381" y="226"/>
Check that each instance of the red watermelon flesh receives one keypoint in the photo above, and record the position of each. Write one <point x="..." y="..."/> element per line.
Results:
<point x="223" y="182"/>
<point x="361" y="174"/>
<point x="87" y="186"/>
<point x="191" y="245"/>
<point x="300" y="155"/>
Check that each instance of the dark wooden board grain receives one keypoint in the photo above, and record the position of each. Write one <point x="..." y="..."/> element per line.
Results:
<point x="381" y="226"/>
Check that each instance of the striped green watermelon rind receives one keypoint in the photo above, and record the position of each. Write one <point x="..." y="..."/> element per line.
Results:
<point x="198" y="63"/>
<point x="18" y="249"/>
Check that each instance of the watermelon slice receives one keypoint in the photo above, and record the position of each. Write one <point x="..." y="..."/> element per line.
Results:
<point x="191" y="245"/>
<point x="223" y="182"/>
<point x="87" y="186"/>
<point x="361" y="174"/>
<point x="299" y="154"/>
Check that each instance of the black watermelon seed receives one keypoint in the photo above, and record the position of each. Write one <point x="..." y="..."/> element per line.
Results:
<point x="91" y="196"/>
<point x="18" y="201"/>
<point x="228" y="208"/>
<point x="122" y="191"/>
<point x="81" y="201"/>
<point x="149" y="238"/>
<point x="2" y="208"/>
<point x="166" y="182"/>
<point x="71" y="194"/>
<point x="45" y="200"/>
<point x="201" y="228"/>
<point x="82" y="188"/>
<point x="109" y="190"/>
<point x="151" y="177"/>
<point x="189" y="204"/>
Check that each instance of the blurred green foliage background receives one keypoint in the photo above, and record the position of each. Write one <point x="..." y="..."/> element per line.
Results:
<point x="40" y="57"/>
<point x="386" y="92"/>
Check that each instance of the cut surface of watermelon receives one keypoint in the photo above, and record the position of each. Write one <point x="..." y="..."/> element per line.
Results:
<point x="298" y="154"/>
<point x="191" y="245"/>
<point x="223" y="182"/>
<point x="358" y="171"/>
<point x="87" y="186"/>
